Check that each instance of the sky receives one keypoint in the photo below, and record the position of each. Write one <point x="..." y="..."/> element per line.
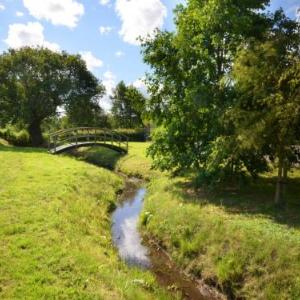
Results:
<point x="104" y="32"/>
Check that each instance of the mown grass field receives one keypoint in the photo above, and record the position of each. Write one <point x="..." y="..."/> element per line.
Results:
<point x="235" y="239"/>
<point x="55" y="240"/>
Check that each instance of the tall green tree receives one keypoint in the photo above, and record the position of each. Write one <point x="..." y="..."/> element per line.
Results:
<point x="190" y="87"/>
<point x="267" y="114"/>
<point x="128" y="105"/>
<point x="35" y="82"/>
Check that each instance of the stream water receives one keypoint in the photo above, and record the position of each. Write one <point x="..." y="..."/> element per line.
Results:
<point x="135" y="252"/>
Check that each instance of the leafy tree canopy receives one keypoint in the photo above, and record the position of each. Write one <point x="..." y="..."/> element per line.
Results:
<point x="267" y="112"/>
<point x="128" y="105"/>
<point x="227" y="66"/>
<point x="189" y="84"/>
<point x="35" y="82"/>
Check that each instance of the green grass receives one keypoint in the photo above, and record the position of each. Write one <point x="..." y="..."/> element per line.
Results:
<point x="134" y="164"/>
<point x="55" y="240"/>
<point x="248" y="255"/>
<point x="236" y="239"/>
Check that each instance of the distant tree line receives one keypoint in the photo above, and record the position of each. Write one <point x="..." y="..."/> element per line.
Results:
<point x="41" y="90"/>
<point x="225" y="91"/>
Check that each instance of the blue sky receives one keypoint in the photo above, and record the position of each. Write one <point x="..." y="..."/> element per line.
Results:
<point x="103" y="31"/>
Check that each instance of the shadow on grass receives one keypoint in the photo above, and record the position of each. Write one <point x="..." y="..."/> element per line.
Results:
<point x="97" y="155"/>
<point x="255" y="198"/>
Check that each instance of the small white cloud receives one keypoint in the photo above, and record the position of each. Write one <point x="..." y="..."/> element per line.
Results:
<point x="58" y="12"/>
<point x="119" y="53"/>
<point x="2" y="7"/>
<point x="19" y="14"/>
<point x="105" y="30"/>
<point x="139" y="18"/>
<point x="92" y="62"/>
<point x="30" y="34"/>
<point x="104" y="2"/>
<point x="109" y="81"/>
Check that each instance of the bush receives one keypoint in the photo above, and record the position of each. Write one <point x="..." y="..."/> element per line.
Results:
<point x="17" y="138"/>
<point x="134" y="135"/>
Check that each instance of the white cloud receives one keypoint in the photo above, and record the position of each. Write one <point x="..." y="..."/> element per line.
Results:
<point x="105" y="29"/>
<point x="58" y="12"/>
<point x="104" y="2"/>
<point x="30" y="34"/>
<point x="92" y="62"/>
<point x="140" y="85"/>
<point x="109" y="81"/>
<point x="19" y="14"/>
<point x="119" y="53"/>
<point x="139" y="18"/>
<point x="2" y="7"/>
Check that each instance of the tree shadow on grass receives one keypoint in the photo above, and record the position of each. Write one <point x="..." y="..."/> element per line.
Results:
<point x="255" y="198"/>
<point x="97" y="155"/>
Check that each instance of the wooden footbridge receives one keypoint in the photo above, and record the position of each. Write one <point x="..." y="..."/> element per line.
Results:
<point x="67" y="139"/>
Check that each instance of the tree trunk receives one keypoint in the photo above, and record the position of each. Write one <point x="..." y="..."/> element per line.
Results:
<point x="279" y="185"/>
<point x="35" y="133"/>
<point x="285" y="176"/>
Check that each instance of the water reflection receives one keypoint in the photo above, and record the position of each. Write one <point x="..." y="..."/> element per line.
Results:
<point x="125" y="232"/>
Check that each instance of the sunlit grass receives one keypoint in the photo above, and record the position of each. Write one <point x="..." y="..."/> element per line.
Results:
<point x="235" y="238"/>
<point x="55" y="240"/>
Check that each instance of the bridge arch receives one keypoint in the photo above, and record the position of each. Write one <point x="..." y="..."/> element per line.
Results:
<point x="66" y="139"/>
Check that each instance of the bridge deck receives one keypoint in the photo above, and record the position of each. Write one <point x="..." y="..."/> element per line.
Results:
<point x="70" y="146"/>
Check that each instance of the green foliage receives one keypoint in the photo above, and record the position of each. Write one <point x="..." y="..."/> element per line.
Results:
<point x="15" y="137"/>
<point x="127" y="107"/>
<point x="190" y="86"/>
<point x="266" y="114"/>
<point x="34" y="82"/>
<point x="218" y="124"/>
<point x="134" y="135"/>
<point x="55" y="231"/>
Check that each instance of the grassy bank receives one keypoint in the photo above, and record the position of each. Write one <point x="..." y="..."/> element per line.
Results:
<point x="55" y="240"/>
<point x="236" y="239"/>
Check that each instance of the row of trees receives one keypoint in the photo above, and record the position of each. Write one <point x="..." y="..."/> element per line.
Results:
<point x="225" y="90"/>
<point x="128" y="107"/>
<point x="35" y="84"/>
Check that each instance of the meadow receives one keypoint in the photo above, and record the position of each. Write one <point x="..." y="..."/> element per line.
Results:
<point x="56" y="241"/>
<point x="236" y="239"/>
<point x="55" y="231"/>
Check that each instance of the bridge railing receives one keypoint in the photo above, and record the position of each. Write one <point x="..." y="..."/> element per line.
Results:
<point x="81" y="135"/>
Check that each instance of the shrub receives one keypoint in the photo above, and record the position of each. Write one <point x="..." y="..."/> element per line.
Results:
<point x="134" y="135"/>
<point x="17" y="138"/>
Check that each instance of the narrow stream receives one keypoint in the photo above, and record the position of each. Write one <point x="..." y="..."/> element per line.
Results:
<point x="124" y="230"/>
<point x="131" y="249"/>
